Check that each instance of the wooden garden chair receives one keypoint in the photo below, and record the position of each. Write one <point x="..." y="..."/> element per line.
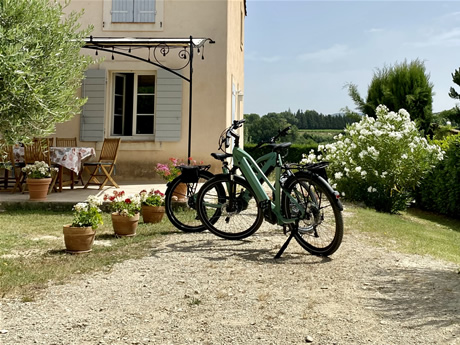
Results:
<point x="12" y="169"/>
<point x="101" y="171"/>
<point x="68" y="142"/>
<point x="39" y="150"/>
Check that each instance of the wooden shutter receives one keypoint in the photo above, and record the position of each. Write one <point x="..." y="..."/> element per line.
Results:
<point x="144" y="11"/>
<point x="122" y="11"/>
<point x="93" y="112"/>
<point x="168" y="118"/>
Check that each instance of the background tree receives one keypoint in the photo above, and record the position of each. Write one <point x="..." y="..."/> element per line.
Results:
<point x="40" y="67"/>
<point x="402" y="86"/>
<point x="454" y="114"/>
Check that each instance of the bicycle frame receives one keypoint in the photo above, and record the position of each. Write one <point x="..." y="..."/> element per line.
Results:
<point x="256" y="176"/>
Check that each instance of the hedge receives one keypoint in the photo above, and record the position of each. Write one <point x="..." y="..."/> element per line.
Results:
<point x="440" y="190"/>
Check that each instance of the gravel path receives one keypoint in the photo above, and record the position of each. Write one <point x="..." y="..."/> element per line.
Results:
<point x="199" y="289"/>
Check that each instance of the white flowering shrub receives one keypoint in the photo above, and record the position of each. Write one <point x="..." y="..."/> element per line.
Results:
<point x="379" y="161"/>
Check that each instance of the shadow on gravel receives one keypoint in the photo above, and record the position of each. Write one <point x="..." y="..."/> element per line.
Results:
<point x="216" y="249"/>
<point x="418" y="296"/>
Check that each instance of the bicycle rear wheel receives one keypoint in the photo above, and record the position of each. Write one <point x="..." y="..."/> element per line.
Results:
<point x="228" y="208"/>
<point x="320" y="230"/>
<point x="180" y="202"/>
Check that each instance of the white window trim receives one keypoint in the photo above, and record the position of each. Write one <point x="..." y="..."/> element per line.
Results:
<point x="107" y="24"/>
<point x="109" y="128"/>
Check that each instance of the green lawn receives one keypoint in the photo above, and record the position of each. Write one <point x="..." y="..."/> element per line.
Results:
<point x="413" y="231"/>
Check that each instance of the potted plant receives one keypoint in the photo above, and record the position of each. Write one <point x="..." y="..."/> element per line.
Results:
<point x="153" y="208"/>
<point x="38" y="179"/>
<point x="125" y="212"/>
<point x="79" y="236"/>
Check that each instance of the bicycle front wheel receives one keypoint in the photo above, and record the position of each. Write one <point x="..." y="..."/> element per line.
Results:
<point x="228" y="208"/>
<point x="180" y="202"/>
<point x="320" y="229"/>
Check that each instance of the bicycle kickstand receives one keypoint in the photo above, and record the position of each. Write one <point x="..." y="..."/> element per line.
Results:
<point x="285" y="245"/>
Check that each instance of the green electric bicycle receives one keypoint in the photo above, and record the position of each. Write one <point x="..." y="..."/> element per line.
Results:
<point x="181" y="193"/>
<point x="301" y="200"/>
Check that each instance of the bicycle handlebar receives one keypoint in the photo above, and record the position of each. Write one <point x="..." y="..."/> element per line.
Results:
<point x="230" y="132"/>
<point x="281" y="133"/>
<point x="238" y="123"/>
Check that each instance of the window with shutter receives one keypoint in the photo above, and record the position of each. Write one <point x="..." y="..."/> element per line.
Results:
<point x="133" y="11"/>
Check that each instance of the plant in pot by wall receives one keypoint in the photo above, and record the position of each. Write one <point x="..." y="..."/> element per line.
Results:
<point x="79" y="236"/>
<point x="38" y="179"/>
<point x="153" y="208"/>
<point x="125" y="212"/>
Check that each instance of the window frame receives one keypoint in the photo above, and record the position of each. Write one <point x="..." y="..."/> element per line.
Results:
<point x="110" y="122"/>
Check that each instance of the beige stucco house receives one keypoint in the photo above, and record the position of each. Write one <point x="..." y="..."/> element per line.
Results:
<point x="148" y="106"/>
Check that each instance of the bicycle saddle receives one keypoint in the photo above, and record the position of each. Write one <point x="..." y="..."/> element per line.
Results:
<point x="221" y="156"/>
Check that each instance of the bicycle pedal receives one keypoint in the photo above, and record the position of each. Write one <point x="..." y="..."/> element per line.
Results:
<point x="264" y="205"/>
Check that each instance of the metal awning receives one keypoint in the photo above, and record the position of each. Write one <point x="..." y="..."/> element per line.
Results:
<point x="162" y="46"/>
<point x="145" y="42"/>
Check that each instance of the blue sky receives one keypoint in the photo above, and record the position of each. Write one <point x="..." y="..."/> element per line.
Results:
<point x="300" y="54"/>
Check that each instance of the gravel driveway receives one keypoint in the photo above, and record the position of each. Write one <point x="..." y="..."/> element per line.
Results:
<point x="199" y="289"/>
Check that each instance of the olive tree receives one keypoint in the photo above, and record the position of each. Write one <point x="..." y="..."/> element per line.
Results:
<point x="401" y="86"/>
<point x="40" y="67"/>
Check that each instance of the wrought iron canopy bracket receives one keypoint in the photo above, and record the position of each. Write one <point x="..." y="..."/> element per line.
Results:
<point x="157" y="47"/>
<point x="125" y="46"/>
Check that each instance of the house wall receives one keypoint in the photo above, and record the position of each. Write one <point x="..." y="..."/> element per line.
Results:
<point x="212" y="78"/>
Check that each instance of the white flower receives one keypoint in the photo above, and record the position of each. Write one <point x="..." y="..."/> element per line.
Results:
<point x="81" y="206"/>
<point x="358" y="169"/>
<point x="338" y="175"/>
<point x="363" y="173"/>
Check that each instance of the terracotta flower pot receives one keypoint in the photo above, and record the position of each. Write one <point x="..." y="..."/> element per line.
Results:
<point x="78" y="239"/>
<point x="125" y="226"/>
<point x="152" y="214"/>
<point x="180" y="192"/>
<point x="38" y="188"/>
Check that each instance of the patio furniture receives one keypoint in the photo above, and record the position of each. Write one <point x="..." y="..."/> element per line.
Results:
<point x="70" y="158"/>
<point x="101" y="171"/>
<point x="68" y="142"/>
<point x="39" y="150"/>
<point x="12" y="169"/>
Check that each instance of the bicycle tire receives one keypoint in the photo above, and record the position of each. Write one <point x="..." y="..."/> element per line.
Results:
<point x="320" y="231"/>
<point x="230" y="220"/>
<point x="180" y="205"/>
